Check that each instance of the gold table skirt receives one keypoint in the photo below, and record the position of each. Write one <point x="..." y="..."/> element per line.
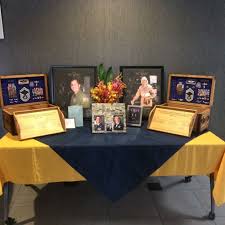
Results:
<point x="32" y="162"/>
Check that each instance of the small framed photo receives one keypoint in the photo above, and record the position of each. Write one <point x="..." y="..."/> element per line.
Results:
<point x="134" y="115"/>
<point x="118" y="123"/>
<point x="99" y="123"/>
<point x="70" y="85"/>
<point x="145" y="86"/>
<point x="108" y="118"/>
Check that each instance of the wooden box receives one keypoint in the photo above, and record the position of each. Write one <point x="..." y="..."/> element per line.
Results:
<point x="24" y="94"/>
<point x="195" y="92"/>
<point x="172" y="120"/>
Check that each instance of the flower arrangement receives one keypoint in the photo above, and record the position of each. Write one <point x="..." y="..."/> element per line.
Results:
<point x="108" y="90"/>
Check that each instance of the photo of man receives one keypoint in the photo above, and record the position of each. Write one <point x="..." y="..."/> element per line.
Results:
<point x="99" y="123"/>
<point x="71" y="85"/>
<point x="145" y="86"/>
<point x="78" y="97"/>
<point x="108" y="118"/>
<point x="109" y="127"/>
<point x="117" y="123"/>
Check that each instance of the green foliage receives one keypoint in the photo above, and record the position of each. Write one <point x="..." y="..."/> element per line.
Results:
<point x="10" y="221"/>
<point x="104" y="75"/>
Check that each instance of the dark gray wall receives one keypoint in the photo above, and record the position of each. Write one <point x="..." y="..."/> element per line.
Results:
<point x="185" y="36"/>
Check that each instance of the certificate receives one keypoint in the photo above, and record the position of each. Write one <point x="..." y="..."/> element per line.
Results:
<point x="173" y="120"/>
<point x="38" y="123"/>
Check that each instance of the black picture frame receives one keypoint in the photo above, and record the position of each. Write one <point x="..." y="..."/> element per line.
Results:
<point x="60" y="79"/>
<point x="132" y="76"/>
<point x="134" y="115"/>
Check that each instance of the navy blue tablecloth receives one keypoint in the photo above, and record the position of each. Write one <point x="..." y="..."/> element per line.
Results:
<point x="114" y="163"/>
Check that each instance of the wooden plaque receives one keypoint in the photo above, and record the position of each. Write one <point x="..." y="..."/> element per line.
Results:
<point x="39" y="123"/>
<point x="172" y="120"/>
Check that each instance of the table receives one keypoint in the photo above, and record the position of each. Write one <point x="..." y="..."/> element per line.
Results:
<point x="35" y="162"/>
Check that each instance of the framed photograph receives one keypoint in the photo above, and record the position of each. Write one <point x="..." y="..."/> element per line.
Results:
<point x="134" y="115"/>
<point x="144" y="86"/>
<point x="99" y="123"/>
<point x="108" y="118"/>
<point x="70" y="85"/>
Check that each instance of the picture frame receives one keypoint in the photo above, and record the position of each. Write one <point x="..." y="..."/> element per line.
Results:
<point x="136" y="76"/>
<point x="108" y="118"/>
<point x="70" y="85"/>
<point x="134" y="115"/>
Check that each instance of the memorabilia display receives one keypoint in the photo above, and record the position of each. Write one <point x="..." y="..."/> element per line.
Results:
<point x="19" y="93"/>
<point x="108" y="118"/>
<point x="172" y="120"/>
<point x="190" y="89"/>
<point x="39" y="122"/>
<point x="70" y="85"/>
<point x="76" y="112"/>
<point x="192" y="92"/>
<point x="134" y="115"/>
<point x="23" y="90"/>
<point x="145" y="86"/>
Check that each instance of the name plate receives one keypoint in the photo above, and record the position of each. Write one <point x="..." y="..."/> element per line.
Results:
<point x="39" y="123"/>
<point x="172" y="120"/>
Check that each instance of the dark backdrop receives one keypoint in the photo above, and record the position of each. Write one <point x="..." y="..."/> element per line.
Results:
<point x="186" y="36"/>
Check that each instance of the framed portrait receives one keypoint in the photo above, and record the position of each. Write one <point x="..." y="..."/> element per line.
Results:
<point x="99" y="123"/>
<point x="70" y="85"/>
<point x="134" y="115"/>
<point x="108" y="118"/>
<point x="144" y="86"/>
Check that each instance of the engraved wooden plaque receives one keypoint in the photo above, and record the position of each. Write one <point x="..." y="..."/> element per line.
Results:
<point x="172" y="120"/>
<point x="39" y="123"/>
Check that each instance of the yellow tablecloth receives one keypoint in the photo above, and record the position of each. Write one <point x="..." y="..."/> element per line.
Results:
<point x="32" y="162"/>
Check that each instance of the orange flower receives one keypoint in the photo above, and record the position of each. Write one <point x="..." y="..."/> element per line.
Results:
<point x="110" y="92"/>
